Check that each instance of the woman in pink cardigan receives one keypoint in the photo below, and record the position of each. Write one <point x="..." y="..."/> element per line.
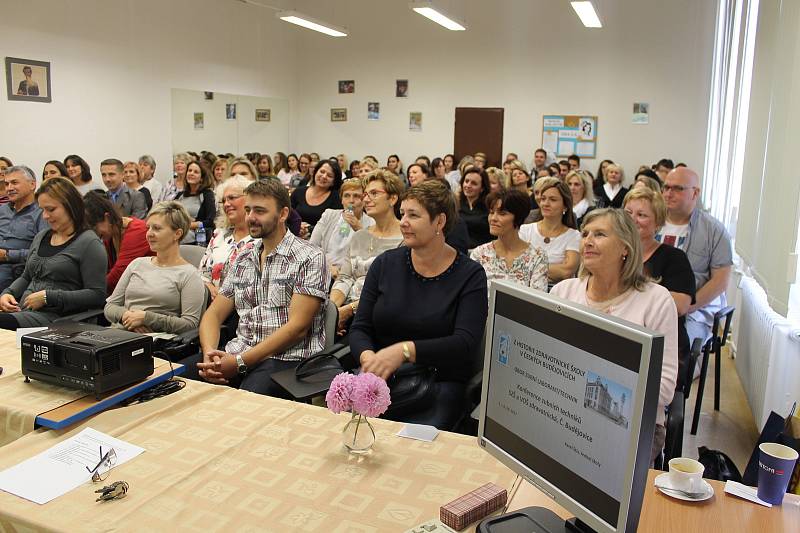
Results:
<point x="611" y="280"/>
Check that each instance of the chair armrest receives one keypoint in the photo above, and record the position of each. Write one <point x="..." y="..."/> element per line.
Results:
<point x="80" y="317"/>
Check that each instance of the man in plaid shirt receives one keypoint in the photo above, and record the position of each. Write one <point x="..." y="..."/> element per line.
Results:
<point x="278" y="286"/>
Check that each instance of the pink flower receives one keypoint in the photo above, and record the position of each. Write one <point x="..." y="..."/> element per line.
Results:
<point x="370" y="395"/>
<point x="340" y="395"/>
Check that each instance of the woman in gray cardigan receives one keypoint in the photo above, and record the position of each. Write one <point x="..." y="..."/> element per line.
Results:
<point x="66" y="268"/>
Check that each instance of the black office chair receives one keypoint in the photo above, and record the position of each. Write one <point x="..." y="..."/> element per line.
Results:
<point x="715" y="343"/>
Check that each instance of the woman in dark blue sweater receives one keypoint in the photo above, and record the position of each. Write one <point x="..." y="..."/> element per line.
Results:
<point x="424" y="303"/>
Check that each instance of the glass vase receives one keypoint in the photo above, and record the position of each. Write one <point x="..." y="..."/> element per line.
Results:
<point x="358" y="436"/>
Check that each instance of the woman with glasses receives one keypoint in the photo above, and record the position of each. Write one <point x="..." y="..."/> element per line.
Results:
<point x="337" y="226"/>
<point x="382" y="190"/>
<point x="231" y="235"/>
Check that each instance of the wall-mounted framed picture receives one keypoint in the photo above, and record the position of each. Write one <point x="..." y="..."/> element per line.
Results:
<point x="415" y="121"/>
<point x="230" y="111"/>
<point x="339" y="114"/>
<point x="28" y="80"/>
<point x="263" y="115"/>
<point x="373" y="111"/>
<point x="401" y="88"/>
<point x="199" y="121"/>
<point x="347" y="86"/>
<point x="208" y="95"/>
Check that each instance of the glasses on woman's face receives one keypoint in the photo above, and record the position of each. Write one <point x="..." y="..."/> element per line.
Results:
<point x="374" y="193"/>
<point x="231" y="198"/>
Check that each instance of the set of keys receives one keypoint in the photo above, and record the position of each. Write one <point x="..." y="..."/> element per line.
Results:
<point x="115" y="491"/>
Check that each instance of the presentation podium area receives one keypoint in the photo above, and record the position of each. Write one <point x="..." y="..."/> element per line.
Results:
<point x="220" y="459"/>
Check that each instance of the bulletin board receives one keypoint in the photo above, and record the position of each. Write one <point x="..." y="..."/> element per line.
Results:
<point x="565" y="135"/>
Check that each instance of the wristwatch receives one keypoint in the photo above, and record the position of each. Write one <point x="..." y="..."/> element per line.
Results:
<point x="406" y="353"/>
<point x="240" y="365"/>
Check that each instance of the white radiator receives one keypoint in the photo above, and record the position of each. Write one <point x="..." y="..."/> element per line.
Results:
<point x="767" y="353"/>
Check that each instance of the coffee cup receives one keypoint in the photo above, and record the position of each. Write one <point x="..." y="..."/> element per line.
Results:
<point x="686" y="474"/>
<point x="775" y="466"/>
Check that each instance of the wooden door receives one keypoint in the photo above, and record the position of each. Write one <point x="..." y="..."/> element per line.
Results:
<point x="479" y="129"/>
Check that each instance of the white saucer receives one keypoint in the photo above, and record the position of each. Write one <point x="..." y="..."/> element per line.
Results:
<point x="664" y="480"/>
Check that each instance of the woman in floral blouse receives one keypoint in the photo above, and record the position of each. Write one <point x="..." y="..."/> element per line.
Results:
<point x="231" y="235"/>
<point x="509" y="257"/>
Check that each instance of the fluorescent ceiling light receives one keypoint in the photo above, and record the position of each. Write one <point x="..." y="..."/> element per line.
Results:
<point x="587" y="14"/>
<point x="312" y="24"/>
<point x="427" y="10"/>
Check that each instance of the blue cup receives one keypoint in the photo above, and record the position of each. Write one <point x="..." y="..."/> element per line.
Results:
<point x="775" y="466"/>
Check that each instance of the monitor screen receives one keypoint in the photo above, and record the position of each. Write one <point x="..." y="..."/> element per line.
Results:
<point x="569" y="401"/>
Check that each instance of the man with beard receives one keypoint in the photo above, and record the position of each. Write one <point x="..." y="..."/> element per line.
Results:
<point x="278" y="286"/>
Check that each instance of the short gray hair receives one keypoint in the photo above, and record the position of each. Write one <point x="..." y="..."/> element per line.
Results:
<point x="149" y="160"/>
<point x="22" y="169"/>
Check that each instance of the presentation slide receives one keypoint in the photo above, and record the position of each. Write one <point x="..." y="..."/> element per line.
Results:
<point x="570" y="404"/>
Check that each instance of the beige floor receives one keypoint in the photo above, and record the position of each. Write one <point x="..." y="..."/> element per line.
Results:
<point x="731" y="429"/>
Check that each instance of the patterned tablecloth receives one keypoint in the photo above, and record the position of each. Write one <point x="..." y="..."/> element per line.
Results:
<point x="219" y="459"/>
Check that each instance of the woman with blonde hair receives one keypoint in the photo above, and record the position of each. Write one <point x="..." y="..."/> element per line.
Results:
<point x="520" y="179"/>
<point x="580" y="187"/>
<point x="555" y="233"/>
<point x="498" y="180"/>
<point x="220" y="169"/>
<point x="132" y="176"/>
<point x="178" y="181"/>
<point x="612" y="192"/>
<point x="612" y="281"/>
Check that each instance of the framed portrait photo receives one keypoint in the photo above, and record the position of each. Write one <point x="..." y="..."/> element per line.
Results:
<point x="28" y="80"/>
<point x="230" y="111"/>
<point x="339" y="114"/>
<point x="347" y="86"/>
<point x="263" y="115"/>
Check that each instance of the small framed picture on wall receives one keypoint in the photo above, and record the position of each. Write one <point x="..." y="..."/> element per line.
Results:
<point x="401" y="89"/>
<point x="230" y="111"/>
<point x="28" y="80"/>
<point x="347" y="86"/>
<point x="263" y="115"/>
<point x="339" y="114"/>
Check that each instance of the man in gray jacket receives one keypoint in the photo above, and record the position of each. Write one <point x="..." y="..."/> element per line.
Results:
<point x="130" y="203"/>
<point x="20" y="221"/>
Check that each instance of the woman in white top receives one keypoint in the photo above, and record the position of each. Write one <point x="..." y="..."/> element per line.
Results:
<point x="612" y="281"/>
<point x="580" y="188"/>
<point x="337" y="226"/>
<point x="509" y="257"/>
<point x="555" y="233"/>
<point x="612" y="193"/>
<point x="161" y="294"/>
<point x="231" y="235"/>
<point x="382" y="191"/>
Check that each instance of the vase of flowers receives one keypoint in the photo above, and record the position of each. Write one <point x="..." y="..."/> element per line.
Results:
<point x="363" y="395"/>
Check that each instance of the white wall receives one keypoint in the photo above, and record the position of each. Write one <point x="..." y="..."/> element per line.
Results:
<point x="114" y="63"/>
<point x="529" y="57"/>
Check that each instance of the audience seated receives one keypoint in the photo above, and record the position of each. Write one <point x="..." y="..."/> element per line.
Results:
<point x="425" y="303"/>
<point x="417" y="173"/>
<point x="662" y="168"/>
<point x="706" y="243"/>
<point x="520" y="179"/>
<point x="449" y="164"/>
<point x="472" y="205"/>
<point x="132" y="176"/>
<point x="66" y="266"/>
<point x="306" y="170"/>
<point x="147" y="170"/>
<point x="509" y="257"/>
<point x="574" y="162"/>
<point x="230" y="237"/>
<point x="54" y="169"/>
<point x="161" y="294"/>
<point x="612" y="281"/>
<point x="600" y="178"/>
<point x="454" y="176"/>
<point x="278" y="286"/>
<point x="124" y="237"/>
<point x="612" y="192"/>
<point x="395" y="166"/>
<point x="647" y="178"/>
<point x="480" y="160"/>
<point x="297" y="179"/>
<point x="5" y="164"/>
<point x="20" y="221"/>
<point x="665" y="264"/>
<point x="198" y="198"/>
<point x="437" y="168"/>
<point x="498" y="179"/>
<point x="80" y="174"/>
<point x="336" y="228"/>
<point x="178" y="182"/>
<point x="382" y="191"/>
<point x="263" y="166"/>
<point x="555" y="233"/>
<point x="539" y="161"/>
<point x="312" y="200"/>
<point x="129" y="202"/>
<point x="580" y="188"/>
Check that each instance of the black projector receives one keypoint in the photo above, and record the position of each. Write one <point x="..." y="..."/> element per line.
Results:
<point x="87" y="357"/>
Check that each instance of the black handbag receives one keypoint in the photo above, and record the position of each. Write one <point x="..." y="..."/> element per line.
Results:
<point x="412" y="389"/>
<point x="718" y="465"/>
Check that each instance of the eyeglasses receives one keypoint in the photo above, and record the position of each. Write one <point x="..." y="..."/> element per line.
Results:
<point x="374" y="193"/>
<point x="101" y="470"/>
<point x="231" y="198"/>
<point x="675" y="188"/>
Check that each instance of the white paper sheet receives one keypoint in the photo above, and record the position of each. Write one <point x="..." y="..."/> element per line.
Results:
<point x="550" y="142"/>
<point x="584" y="149"/>
<point x="744" y="491"/>
<point x="63" y="467"/>
<point x="419" y="432"/>
<point x="566" y="147"/>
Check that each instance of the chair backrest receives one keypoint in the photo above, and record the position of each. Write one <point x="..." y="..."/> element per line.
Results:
<point x="192" y="253"/>
<point x="727" y="314"/>
<point x="330" y="321"/>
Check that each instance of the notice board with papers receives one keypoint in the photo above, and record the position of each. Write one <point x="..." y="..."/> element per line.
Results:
<point x="566" y="135"/>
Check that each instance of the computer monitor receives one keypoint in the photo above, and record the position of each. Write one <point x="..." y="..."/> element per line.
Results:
<point x="569" y="403"/>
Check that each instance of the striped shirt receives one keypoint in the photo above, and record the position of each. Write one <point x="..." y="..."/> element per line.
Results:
<point x="262" y="298"/>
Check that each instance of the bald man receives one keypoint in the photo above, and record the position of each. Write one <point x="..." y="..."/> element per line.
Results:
<point x="706" y="243"/>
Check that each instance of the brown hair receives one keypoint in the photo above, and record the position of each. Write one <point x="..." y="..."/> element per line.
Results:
<point x="568" y="218"/>
<point x="270" y="189"/>
<point x="436" y="198"/>
<point x="63" y="191"/>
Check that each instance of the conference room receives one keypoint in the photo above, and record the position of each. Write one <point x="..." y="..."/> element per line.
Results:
<point x="707" y="84"/>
